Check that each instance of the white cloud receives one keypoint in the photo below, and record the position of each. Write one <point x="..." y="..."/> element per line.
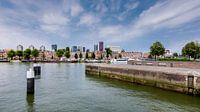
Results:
<point x="13" y="36"/>
<point x="88" y="19"/>
<point x="52" y="22"/>
<point x="128" y="7"/>
<point x="167" y="14"/>
<point x="55" y="19"/>
<point x="178" y="45"/>
<point x="131" y="6"/>
<point x="59" y="19"/>
<point x="101" y="7"/>
<point x="76" y="9"/>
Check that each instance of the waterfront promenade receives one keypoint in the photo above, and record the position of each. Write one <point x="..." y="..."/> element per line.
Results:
<point x="184" y="80"/>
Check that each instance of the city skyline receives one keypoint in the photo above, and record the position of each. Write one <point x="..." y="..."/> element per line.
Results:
<point x="132" y="24"/>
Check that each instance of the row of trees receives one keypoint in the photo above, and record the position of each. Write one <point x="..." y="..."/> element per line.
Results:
<point x="23" y="54"/>
<point x="191" y="50"/>
<point x="27" y="54"/>
<point x="66" y="52"/>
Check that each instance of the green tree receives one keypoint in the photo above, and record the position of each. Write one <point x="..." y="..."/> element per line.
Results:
<point x="35" y="53"/>
<point x="93" y="55"/>
<point x="157" y="49"/>
<point x="11" y="54"/>
<point x="60" y="53"/>
<point x="86" y="55"/>
<point x="76" y="56"/>
<point x="80" y="55"/>
<point x="19" y="54"/>
<point x="191" y="49"/>
<point x="27" y="54"/>
<point x="67" y="54"/>
<point x="108" y="52"/>
<point x="175" y="54"/>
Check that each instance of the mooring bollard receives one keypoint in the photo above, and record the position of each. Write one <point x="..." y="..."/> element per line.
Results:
<point x="37" y="70"/>
<point x="30" y="82"/>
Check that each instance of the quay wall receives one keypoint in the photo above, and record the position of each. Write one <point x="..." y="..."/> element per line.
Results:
<point x="188" y="83"/>
<point x="178" y="64"/>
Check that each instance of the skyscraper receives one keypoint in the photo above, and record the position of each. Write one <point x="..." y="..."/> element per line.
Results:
<point x="83" y="49"/>
<point x="101" y="46"/>
<point x="95" y="47"/>
<point x="79" y="48"/>
<point x="74" y="49"/>
<point x="54" y="47"/>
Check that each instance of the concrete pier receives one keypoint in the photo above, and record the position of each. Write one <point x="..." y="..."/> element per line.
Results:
<point x="182" y="80"/>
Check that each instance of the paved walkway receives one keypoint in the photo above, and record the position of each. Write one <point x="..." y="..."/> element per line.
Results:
<point x="182" y="71"/>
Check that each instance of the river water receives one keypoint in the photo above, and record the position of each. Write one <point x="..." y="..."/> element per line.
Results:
<point x="65" y="87"/>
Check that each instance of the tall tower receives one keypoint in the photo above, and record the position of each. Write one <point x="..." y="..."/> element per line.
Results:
<point x="54" y="47"/>
<point x="101" y="46"/>
<point x="95" y="47"/>
<point x="84" y="49"/>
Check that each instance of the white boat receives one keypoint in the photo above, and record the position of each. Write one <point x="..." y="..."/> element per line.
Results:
<point x="119" y="61"/>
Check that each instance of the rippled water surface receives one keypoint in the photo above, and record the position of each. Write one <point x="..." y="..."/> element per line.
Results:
<point x="65" y="87"/>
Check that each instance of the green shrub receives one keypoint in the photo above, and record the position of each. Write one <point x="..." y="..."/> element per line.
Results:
<point x="174" y="59"/>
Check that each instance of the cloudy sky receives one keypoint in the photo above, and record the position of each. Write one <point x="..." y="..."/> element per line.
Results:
<point x="131" y="24"/>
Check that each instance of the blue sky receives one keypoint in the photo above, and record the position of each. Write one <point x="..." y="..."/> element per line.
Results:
<point x="132" y="24"/>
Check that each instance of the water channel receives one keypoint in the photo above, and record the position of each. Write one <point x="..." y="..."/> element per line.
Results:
<point x="65" y="87"/>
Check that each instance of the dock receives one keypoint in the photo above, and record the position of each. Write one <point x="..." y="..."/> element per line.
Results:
<point x="183" y="80"/>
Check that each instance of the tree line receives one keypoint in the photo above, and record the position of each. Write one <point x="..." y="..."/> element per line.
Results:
<point x="28" y="53"/>
<point x="190" y="50"/>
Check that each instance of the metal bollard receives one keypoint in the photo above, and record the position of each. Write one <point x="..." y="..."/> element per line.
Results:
<point x="30" y="82"/>
<point x="37" y="71"/>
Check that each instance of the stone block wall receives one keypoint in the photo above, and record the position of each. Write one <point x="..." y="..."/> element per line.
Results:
<point x="165" y="80"/>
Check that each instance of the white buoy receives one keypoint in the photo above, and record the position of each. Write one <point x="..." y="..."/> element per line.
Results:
<point x="30" y="81"/>
<point x="37" y="70"/>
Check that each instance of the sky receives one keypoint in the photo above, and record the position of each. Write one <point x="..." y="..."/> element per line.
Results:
<point x="132" y="24"/>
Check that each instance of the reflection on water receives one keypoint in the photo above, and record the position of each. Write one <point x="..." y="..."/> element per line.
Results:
<point x="30" y="102"/>
<point x="151" y="93"/>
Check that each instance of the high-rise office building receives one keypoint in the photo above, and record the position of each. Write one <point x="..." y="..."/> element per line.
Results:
<point x="101" y="46"/>
<point x="84" y="49"/>
<point x="74" y="49"/>
<point x="79" y="48"/>
<point x="20" y="48"/>
<point x="54" y="47"/>
<point x="95" y="47"/>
